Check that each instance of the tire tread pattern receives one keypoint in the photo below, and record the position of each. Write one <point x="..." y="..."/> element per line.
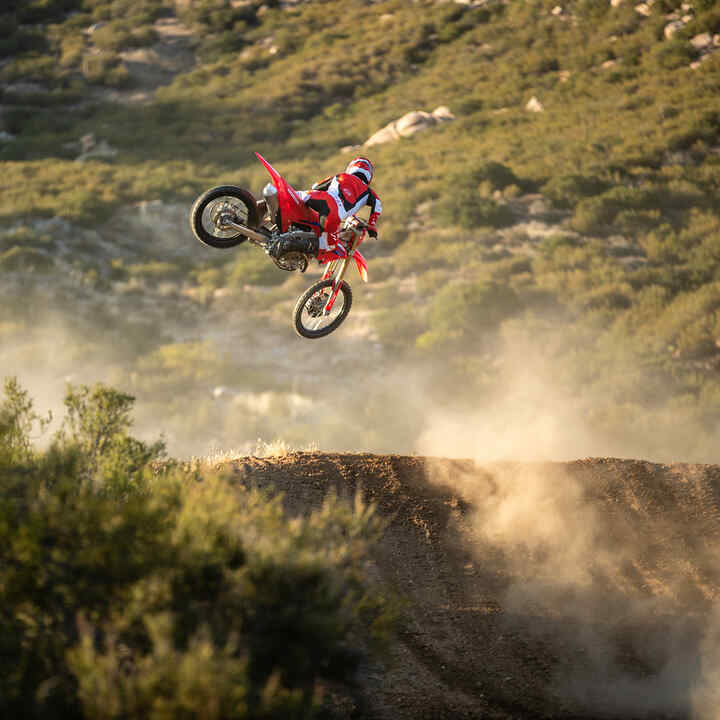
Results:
<point x="301" y="330"/>
<point x="246" y="197"/>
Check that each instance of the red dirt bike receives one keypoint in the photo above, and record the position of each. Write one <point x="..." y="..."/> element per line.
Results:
<point x="226" y="216"/>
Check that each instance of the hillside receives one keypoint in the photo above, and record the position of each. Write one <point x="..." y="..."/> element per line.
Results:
<point x="582" y="589"/>
<point x="549" y="252"/>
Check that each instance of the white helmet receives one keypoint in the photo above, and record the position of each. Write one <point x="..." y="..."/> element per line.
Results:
<point x="361" y="167"/>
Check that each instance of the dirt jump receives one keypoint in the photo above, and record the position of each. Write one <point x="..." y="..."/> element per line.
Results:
<point x="586" y="589"/>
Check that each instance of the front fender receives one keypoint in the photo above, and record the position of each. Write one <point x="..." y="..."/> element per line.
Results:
<point x="362" y="265"/>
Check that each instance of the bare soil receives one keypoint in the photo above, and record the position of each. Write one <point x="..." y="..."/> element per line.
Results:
<point x="580" y="589"/>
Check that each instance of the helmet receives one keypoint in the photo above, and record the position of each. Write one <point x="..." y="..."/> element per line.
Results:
<point x="361" y="167"/>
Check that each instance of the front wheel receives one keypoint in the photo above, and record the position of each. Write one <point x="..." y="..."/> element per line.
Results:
<point x="310" y="318"/>
<point x="212" y="210"/>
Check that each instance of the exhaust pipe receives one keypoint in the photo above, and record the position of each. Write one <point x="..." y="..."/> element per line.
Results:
<point x="249" y="232"/>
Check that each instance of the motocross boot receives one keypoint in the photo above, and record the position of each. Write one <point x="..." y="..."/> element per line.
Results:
<point x="308" y="246"/>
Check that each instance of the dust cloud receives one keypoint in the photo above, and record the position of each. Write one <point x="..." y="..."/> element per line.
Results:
<point x="613" y="568"/>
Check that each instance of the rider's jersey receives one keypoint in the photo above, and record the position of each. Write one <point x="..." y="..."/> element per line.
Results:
<point x="351" y="194"/>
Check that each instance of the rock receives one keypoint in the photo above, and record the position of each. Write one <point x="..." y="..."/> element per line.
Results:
<point x="695" y="65"/>
<point x="644" y="8"/>
<point x="442" y="113"/>
<point x="6" y="136"/>
<point x="702" y="41"/>
<point x="616" y="3"/>
<point x="538" y="207"/>
<point x="349" y="148"/>
<point x="557" y="10"/>
<point x="609" y="64"/>
<point x="672" y="28"/>
<point x="413" y="122"/>
<point x="95" y="26"/>
<point x="564" y="75"/>
<point x="386" y="17"/>
<point x="686" y="7"/>
<point x="101" y="150"/>
<point x="686" y="18"/>
<point x="87" y="142"/>
<point x="409" y="124"/>
<point x="25" y="88"/>
<point x="534" y="105"/>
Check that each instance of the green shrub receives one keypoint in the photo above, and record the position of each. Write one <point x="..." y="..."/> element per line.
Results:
<point x="255" y="268"/>
<point x="186" y="595"/>
<point x="498" y="175"/>
<point x="566" y="191"/>
<point x="398" y="327"/>
<point x="25" y="259"/>
<point x="674" y="54"/>
<point x="156" y="270"/>
<point x="467" y="209"/>
<point x="467" y="313"/>
<point x="95" y="68"/>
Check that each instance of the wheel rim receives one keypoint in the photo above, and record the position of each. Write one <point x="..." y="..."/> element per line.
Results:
<point x="312" y="316"/>
<point x="225" y="206"/>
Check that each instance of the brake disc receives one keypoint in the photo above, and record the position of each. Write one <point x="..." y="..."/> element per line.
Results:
<point x="315" y="305"/>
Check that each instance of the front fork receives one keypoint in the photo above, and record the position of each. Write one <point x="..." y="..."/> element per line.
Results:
<point x="336" y="270"/>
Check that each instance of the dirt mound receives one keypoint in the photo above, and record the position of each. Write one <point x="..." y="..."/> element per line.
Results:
<point x="581" y="589"/>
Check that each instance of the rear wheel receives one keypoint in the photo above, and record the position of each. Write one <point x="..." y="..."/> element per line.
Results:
<point x="212" y="210"/>
<point x="310" y="318"/>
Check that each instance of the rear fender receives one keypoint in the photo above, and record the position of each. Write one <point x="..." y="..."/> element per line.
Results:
<point x="292" y="208"/>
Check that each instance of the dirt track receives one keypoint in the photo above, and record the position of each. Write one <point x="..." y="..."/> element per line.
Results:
<point x="581" y="589"/>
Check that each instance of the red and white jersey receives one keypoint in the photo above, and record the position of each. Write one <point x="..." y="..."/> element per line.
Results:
<point x="351" y="194"/>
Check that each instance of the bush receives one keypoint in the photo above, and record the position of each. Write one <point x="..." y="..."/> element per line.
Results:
<point x="183" y="596"/>
<point x="498" y="175"/>
<point x="25" y="259"/>
<point x="121" y="35"/>
<point x="255" y="268"/>
<point x="566" y="191"/>
<point x="674" y="54"/>
<point x="467" y="209"/>
<point x="468" y="313"/>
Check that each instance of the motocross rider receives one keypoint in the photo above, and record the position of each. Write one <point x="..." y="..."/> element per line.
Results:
<point x="335" y="199"/>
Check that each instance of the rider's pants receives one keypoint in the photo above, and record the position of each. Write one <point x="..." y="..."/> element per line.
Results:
<point x="327" y="208"/>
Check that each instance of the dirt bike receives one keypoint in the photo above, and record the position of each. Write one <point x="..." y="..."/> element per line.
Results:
<point x="226" y="216"/>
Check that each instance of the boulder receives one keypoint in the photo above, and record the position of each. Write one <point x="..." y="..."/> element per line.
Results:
<point x="702" y="41"/>
<point x="409" y="124"/>
<point x="102" y="150"/>
<point x="534" y="105"/>
<point x="25" y="88"/>
<point x="616" y="3"/>
<point x="672" y="28"/>
<point x="644" y="8"/>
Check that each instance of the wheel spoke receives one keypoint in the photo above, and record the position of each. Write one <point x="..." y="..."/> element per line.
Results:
<point x="316" y="304"/>
<point x="311" y="319"/>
